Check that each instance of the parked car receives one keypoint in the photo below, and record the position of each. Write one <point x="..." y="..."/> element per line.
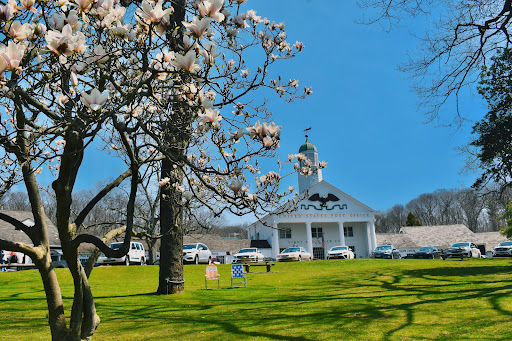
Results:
<point x="197" y="253"/>
<point x="462" y="249"/>
<point x="427" y="252"/>
<point x="386" y="251"/>
<point x="136" y="255"/>
<point x="504" y="249"/>
<point x="216" y="261"/>
<point x="294" y="254"/>
<point x="340" y="252"/>
<point x="250" y="254"/>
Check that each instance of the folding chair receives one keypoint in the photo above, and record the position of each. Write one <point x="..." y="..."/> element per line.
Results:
<point x="238" y="277"/>
<point x="212" y="274"/>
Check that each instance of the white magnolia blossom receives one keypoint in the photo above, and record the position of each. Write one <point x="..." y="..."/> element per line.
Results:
<point x="163" y="182"/>
<point x="209" y="53"/>
<point x="237" y="135"/>
<point x="212" y="9"/>
<point x="210" y="116"/>
<point x="188" y="195"/>
<point x="96" y="100"/>
<point x="264" y="130"/>
<point x="198" y="27"/>
<point x="18" y="31"/>
<point x="152" y="14"/>
<point x="236" y="186"/>
<point x="11" y="56"/>
<point x="65" y="43"/>
<point x="187" y="62"/>
<point x="8" y="10"/>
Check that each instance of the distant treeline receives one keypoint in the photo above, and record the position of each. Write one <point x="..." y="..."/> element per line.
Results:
<point x="479" y="211"/>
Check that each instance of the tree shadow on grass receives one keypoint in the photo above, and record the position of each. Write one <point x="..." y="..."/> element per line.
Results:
<point x="446" y="286"/>
<point x="174" y="317"/>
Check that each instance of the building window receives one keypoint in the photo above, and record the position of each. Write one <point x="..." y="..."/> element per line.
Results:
<point x="317" y="232"/>
<point x="348" y="231"/>
<point x="285" y="234"/>
<point x="318" y="253"/>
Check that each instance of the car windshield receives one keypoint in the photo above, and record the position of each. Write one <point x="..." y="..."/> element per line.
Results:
<point x="247" y="250"/>
<point x="339" y="248"/>
<point x="460" y="244"/>
<point x="506" y="244"/>
<point x="291" y="249"/>
<point x="189" y="246"/>
<point x="116" y="246"/>
<point x="425" y="249"/>
<point x="383" y="247"/>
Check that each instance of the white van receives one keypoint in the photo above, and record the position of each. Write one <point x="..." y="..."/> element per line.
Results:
<point x="136" y="255"/>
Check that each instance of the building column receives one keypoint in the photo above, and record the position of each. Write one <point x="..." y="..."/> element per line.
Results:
<point x="342" y="233"/>
<point x="309" y="238"/>
<point x="374" y="238"/>
<point x="275" y="241"/>
<point x="369" y="238"/>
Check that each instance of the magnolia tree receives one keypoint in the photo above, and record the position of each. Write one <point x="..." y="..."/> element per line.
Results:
<point x="165" y="81"/>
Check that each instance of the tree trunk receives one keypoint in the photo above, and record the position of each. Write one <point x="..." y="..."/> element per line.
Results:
<point x="56" y="316"/>
<point x="170" y="279"/>
<point x="152" y="249"/>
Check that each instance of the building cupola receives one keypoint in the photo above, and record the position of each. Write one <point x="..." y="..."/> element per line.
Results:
<point x="311" y="153"/>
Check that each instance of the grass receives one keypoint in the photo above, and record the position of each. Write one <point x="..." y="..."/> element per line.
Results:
<point x="325" y="300"/>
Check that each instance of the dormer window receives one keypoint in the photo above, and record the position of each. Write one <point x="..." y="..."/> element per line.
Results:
<point x="27" y="222"/>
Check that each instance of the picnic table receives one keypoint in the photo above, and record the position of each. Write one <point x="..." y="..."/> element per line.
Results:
<point x="453" y="254"/>
<point x="267" y="264"/>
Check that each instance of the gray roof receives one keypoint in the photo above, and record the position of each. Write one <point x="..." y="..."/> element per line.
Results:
<point x="7" y="231"/>
<point x="217" y="243"/>
<point x="398" y="240"/>
<point x="412" y="237"/>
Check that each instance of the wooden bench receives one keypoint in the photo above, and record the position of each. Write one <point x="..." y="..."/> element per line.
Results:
<point x="247" y="266"/>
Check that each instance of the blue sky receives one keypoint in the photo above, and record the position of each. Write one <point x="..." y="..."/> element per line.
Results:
<point x="363" y="114"/>
<point x="364" y="117"/>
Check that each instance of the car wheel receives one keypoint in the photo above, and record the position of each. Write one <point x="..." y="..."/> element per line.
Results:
<point x="300" y="258"/>
<point x="142" y="261"/>
<point x="127" y="260"/>
<point x="196" y="260"/>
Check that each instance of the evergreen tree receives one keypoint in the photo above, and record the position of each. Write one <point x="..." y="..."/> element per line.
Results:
<point x="412" y="220"/>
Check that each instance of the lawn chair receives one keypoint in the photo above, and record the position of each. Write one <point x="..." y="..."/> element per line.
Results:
<point x="238" y="277"/>
<point x="212" y="274"/>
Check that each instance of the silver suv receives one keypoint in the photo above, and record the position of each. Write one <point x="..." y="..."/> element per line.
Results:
<point x="504" y="249"/>
<point x="136" y="255"/>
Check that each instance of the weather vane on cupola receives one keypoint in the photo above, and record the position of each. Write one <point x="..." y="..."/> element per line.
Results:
<point x="306" y="132"/>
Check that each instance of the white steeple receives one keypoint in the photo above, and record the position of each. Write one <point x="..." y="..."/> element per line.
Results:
<point x="310" y="151"/>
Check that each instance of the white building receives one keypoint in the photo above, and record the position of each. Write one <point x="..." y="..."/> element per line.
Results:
<point x="323" y="217"/>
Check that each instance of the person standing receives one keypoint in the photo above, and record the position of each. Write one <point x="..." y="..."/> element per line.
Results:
<point x="2" y="261"/>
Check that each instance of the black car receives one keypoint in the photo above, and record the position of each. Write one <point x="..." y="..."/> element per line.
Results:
<point x="429" y="252"/>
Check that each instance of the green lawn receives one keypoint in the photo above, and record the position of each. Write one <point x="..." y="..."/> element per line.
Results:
<point x="323" y="300"/>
